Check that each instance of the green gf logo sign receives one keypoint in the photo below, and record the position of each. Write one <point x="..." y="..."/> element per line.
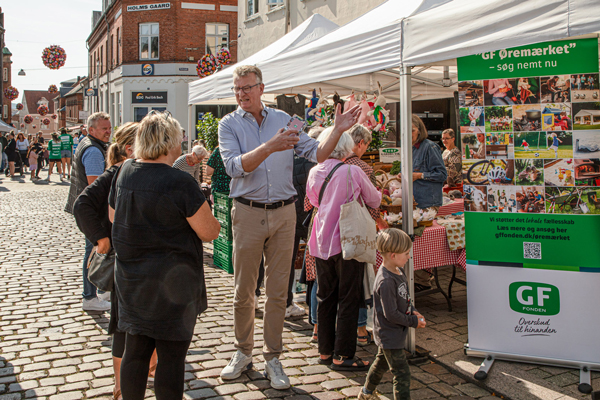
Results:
<point x="390" y="150"/>
<point x="534" y="298"/>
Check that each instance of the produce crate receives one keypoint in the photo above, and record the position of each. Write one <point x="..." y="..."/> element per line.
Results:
<point x="222" y="201"/>
<point x="224" y="218"/>
<point x="223" y="254"/>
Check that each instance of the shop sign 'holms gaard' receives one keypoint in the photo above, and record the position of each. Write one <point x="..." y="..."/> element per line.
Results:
<point x="149" y="7"/>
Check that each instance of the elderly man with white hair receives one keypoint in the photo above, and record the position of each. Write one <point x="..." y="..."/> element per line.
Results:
<point x="192" y="162"/>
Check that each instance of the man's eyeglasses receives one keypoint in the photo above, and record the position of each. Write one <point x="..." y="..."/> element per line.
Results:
<point x="245" y="89"/>
<point x="165" y="114"/>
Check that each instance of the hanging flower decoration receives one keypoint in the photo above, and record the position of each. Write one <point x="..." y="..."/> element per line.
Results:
<point x="34" y="126"/>
<point x="43" y="110"/>
<point x="207" y="65"/>
<point x="52" y="89"/>
<point x="54" y="57"/>
<point x="46" y="121"/>
<point x="28" y="119"/>
<point x="11" y="93"/>
<point x="54" y="116"/>
<point x="22" y="125"/>
<point x="224" y="56"/>
<point x="19" y="106"/>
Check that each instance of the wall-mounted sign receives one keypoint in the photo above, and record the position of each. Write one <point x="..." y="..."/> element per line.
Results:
<point x="149" y="7"/>
<point x="90" y="92"/>
<point x="184" y="69"/>
<point x="147" y="69"/>
<point x="389" y="154"/>
<point x="149" y="97"/>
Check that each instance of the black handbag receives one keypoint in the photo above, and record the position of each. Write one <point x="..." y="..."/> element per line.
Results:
<point x="101" y="270"/>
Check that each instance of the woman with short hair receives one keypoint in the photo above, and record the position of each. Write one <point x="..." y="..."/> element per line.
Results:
<point x="192" y="162"/>
<point x="452" y="161"/>
<point x="91" y="214"/>
<point x="339" y="292"/>
<point x="160" y="218"/>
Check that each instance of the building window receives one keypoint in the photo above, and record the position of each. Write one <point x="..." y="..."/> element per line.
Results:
<point x="148" y="41"/>
<point x="274" y="3"/>
<point x="117" y="44"/>
<point x="217" y="37"/>
<point x="5" y="113"/>
<point x="252" y="8"/>
<point x="5" y="74"/>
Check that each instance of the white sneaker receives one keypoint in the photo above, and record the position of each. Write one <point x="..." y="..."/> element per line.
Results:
<point x="256" y="306"/>
<point x="294" y="311"/>
<point x="274" y="372"/>
<point x="95" y="304"/>
<point x="238" y="364"/>
<point x="104" y="296"/>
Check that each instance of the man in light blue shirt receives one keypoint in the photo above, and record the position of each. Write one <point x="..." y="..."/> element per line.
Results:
<point x="258" y="153"/>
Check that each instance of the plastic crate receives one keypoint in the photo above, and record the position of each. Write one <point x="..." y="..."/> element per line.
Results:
<point x="222" y="200"/>
<point x="224" y="219"/>
<point x="223" y="254"/>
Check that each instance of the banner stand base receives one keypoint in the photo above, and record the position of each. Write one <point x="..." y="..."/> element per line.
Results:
<point x="585" y="369"/>
<point x="585" y="380"/>
<point x="482" y="373"/>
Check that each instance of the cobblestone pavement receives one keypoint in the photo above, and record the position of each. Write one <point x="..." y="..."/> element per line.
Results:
<point x="51" y="349"/>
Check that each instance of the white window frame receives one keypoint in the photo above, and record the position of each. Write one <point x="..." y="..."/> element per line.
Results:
<point x="149" y="38"/>
<point x="217" y="36"/>
<point x="251" y="8"/>
<point x="275" y="4"/>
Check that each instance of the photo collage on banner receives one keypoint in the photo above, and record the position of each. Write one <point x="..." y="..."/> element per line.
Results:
<point x="531" y="144"/>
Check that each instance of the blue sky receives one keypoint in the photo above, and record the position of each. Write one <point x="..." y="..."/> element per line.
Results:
<point x="32" y="25"/>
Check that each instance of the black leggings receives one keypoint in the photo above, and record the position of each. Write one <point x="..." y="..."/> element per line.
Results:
<point x="170" y="371"/>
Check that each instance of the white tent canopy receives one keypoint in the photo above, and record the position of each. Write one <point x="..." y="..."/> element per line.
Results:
<point x="4" y="127"/>
<point x="419" y="32"/>
<point x="218" y="86"/>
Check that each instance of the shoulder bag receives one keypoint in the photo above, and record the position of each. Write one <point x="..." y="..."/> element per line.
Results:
<point x="358" y="231"/>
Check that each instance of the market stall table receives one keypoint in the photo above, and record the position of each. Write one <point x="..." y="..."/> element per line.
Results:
<point x="431" y="251"/>
<point x="457" y="205"/>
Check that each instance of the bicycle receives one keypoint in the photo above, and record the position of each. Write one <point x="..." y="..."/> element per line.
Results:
<point x="478" y="173"/>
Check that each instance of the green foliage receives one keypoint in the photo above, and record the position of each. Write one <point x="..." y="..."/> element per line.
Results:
<point x="498" y="111"/>
<point x="469" y="139"/>
<point x="208" y="128"/>
<point x="396" y="166"/>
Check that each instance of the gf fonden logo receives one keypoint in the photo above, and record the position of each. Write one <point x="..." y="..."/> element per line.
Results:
<point x="534" y="298"/>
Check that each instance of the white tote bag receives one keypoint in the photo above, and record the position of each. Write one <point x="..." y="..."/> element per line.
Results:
<point x="357" y="229"/>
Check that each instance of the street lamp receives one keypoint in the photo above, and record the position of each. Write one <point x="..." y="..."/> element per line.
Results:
<point x="21" y="72"/>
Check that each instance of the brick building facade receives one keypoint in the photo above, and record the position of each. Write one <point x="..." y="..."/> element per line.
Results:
<point x="6" y="82"/>
<point x="142" y="56"/>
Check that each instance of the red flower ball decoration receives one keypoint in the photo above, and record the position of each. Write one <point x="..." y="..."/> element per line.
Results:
<point x="22" y="125"/>
<point x="43" y="110"/>
<point x="19" y="106"/>
<point x="224" y="56"/>
<point x="11" y="93"/>
<point x="54" y="57"/>
<point x="28" y="119"/>
<point x="54" y="116"/>
<point x="34" y="126"/>
<point x="46" y="121"/>
<point x="207" y="65"/>
<point x="52" y="89"/>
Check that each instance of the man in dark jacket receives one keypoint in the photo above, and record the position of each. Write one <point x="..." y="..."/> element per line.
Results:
<point x="88" y="164"/>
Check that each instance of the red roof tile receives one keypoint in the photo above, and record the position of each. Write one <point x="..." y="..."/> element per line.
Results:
<point x="33" y="96"/>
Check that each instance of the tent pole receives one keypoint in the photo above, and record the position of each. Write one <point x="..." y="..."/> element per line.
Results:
<point x="407" y="184"/>
<point x="191" y="127"/>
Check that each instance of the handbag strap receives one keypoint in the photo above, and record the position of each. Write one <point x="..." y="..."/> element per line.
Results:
<point x="327" y="179"/>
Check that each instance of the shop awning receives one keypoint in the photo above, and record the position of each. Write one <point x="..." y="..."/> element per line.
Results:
<point x="218" y="86"/>
<point x="4" y="127"/>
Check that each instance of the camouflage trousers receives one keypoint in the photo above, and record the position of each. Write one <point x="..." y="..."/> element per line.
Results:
<point x="393" y="360"/>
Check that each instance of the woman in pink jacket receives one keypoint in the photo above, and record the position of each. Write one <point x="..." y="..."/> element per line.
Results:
<point x="340" y="293"/>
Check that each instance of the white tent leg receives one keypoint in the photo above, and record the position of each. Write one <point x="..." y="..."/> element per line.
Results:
<point x="191" y="127"/>
<point x="407" y="184"/>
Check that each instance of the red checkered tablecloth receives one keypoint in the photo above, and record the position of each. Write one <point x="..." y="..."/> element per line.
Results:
<point x="457" y="206"/>
<point x="431" y="250"/>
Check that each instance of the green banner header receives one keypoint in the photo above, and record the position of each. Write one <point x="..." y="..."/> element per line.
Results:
<point x="542" y="59"/>
<point x="546" y="241"/>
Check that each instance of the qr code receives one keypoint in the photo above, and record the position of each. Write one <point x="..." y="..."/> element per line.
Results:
<point x="532" y="251"/>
